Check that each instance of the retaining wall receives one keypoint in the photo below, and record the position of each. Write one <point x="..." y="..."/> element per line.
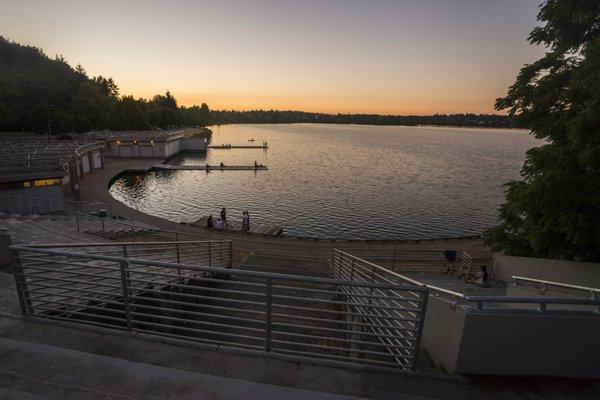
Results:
<point x="514" y="342"/>
<point x="571" y="272"/>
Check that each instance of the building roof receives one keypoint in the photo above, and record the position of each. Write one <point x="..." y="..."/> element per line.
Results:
<point x="24" y="158"/>
<point x="130" y="136"/>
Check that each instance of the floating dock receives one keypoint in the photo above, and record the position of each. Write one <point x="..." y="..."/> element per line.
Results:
<point x="228" y="147"/>
<point x="236" y="226"/>
<point x="173" y="167"/>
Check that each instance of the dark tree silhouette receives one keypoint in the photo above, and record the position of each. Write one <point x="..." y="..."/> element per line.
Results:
<point x="555" y="210"/>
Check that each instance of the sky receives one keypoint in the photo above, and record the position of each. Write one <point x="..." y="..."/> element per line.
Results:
<point x="372" y="56"/>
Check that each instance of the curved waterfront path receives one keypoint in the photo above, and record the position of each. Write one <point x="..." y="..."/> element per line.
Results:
<point x="94" y="187"/>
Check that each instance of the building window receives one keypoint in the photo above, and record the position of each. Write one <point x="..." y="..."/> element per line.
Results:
<point x="46" y="182"/>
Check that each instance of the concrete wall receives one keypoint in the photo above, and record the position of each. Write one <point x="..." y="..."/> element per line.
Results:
<point x="145" y="149"/>
<point x="572" y="272"/>
<point x="5" y="243"/>
<point x="85" y="162"/>
<point x="530" y="343"/>
<point x="97" y="159"/>
<point x="193" y="144"/>
<point x="35" y="200"/>
<point x="442" y="333"/>
<point x="513" y="342"/>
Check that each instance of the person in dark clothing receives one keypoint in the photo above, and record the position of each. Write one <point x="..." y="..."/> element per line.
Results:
<point x="224" y="216"/>
<point x="480" y="278"/>
<point x="209" y="222"/>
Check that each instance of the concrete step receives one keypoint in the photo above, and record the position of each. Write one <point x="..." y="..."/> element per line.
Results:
<point x="9" y="394"/>
<point x="41" y="371"/>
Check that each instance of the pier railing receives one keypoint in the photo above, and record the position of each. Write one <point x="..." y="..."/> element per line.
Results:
<point x="111" y="285"/>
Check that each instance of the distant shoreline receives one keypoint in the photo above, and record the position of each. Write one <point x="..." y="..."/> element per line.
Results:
<point x="358" y="124"/>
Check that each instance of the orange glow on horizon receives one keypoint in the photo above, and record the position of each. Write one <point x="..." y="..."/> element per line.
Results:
<point x="409" y="57"/>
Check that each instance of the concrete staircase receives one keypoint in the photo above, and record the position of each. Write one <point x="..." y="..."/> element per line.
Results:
<point x="49" y="228"/>
<point x="60" y="373"/>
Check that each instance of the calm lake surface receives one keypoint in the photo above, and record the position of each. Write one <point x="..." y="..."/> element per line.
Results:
<point x="344" y="181"/>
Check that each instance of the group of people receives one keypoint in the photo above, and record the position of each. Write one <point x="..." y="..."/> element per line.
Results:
<point x="221" y="222"/>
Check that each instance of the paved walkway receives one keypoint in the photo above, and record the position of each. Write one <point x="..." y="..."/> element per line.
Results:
<point x="95" y="188"/>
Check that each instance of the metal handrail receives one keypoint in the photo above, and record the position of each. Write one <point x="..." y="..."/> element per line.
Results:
<point x="132" y="227"/>
<point x="82" y="204"/>
<point x="480" y="300"/>
<point x="405" y="278"/>
<point x="44" y="250"/>
<point x="116" y="244"/>
<point x="594" y="291"/>
<point x="292" y="315"/>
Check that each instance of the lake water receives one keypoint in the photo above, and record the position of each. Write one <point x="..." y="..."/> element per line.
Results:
<point x="344" y="181"/>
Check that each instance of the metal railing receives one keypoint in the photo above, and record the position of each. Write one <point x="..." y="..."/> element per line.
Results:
<point x="87" y="207"/>
<point x="403" y="259"/>
<point x="367" y="323"/>
<point x="479" y="303"/>
<point x="404" y="313"/>
<point x="128" y="230"/>
<point x="544" y="285"/>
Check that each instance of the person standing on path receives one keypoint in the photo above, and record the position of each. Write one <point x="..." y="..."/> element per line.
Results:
<point x="224" y="216"/>
<point x="244" y="221"/>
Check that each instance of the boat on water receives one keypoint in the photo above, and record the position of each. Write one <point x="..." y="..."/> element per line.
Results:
<point x="251" y="140"/>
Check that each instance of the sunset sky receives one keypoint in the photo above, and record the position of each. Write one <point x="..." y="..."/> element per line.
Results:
<point x="388" y="57"/>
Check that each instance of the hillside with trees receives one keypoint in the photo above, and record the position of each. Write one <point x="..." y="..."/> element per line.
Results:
<point x="37" y="91"/>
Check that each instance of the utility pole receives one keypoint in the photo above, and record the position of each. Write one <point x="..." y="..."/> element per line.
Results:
<point x="48" y="117"/>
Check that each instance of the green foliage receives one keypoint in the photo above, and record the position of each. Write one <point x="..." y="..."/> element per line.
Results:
<point x="555" y="210"/>
<point x="35" y="88"/>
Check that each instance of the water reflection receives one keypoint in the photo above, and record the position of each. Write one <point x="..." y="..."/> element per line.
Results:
<point x="343" y="181"/>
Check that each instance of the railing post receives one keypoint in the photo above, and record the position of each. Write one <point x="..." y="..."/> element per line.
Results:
<point x="103" y="230"/>
<point x="124" y="281"/>
<point x="268" y="305"/>
<point x="178" y="253"/>
<point x="209" y="255"/>
<point x="21" y="283"/>
<point x="372" y="281"/>
<point x="77" y="221"/>
<point x="417" y="342"/>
